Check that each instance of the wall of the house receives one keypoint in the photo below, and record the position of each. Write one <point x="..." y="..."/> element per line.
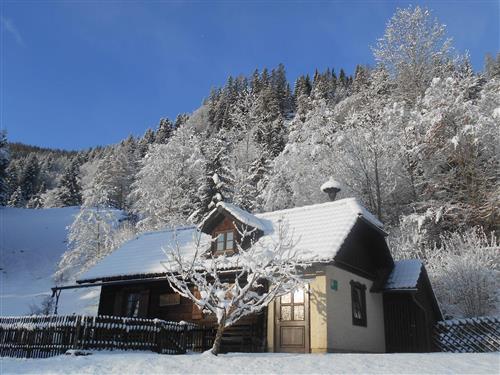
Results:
<point x="330" y="314"/>
<point x="248" y="334"/>
<point x="343" y="336"/>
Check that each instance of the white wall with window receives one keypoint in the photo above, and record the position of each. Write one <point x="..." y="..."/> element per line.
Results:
<point x="355" y="316"/>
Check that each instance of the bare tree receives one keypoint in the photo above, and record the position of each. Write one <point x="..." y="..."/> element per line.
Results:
<point x="237" y="285"/>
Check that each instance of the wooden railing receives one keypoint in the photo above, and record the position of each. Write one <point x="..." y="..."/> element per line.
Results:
<point x="473" y="335"/>
<point x="45" y="336"/>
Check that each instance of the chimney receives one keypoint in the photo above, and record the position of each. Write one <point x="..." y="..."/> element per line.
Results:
<point x="331" y="187"/>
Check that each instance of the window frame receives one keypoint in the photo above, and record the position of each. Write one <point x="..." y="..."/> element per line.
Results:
<point x="133" y="304"/>
<point x="225" y="249"/>
<point x="361" y="288"/>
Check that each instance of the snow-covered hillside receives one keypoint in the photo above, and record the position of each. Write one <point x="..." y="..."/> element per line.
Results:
<point x="31" y="243"/>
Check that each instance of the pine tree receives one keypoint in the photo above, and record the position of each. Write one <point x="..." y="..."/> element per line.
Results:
<point x="29" y="179"/>
<point x="4" y="162"/>
<point x="164" y="132"/>
<point x="180" y="120"/>
<point x="302" y="94"/>
<point x="147" y="139"/>
<point x="69" y="190"/>
<point x="257" y="180"/>
<point x="217" y="181"/>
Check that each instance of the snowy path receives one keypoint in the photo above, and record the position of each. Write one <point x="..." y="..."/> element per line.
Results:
<point x="262" y="363"/>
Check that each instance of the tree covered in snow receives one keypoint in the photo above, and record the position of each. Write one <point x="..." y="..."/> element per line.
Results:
<point x="260" y="273"/>
<point x="165" y="190"/>
<point x="216" y="183"/>
<point x="458" y="154"/>
<point x="414" y="49"/>
<point x="69" y="190"/>
<point x="465" y="272"/>
<point x="96" y="231"/>
<point x="165" y="131"/>
<point x="304" y="164"/>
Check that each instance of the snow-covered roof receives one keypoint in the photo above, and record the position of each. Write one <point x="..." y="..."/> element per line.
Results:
<point x="404" y="275"/>
<point x="143" y="255"/>
<point x="330" y="184"/>
<point x="319" y="231"/>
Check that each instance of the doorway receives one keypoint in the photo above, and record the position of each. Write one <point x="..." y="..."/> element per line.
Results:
<point x="292" y="322"/>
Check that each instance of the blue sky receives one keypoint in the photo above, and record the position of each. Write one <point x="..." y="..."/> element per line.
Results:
<point x="77" y="74"/>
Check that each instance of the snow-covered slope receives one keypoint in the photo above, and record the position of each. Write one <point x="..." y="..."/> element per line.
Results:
<point x="31" y="243"/>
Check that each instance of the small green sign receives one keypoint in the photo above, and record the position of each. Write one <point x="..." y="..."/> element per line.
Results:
<point x="334" y="285"/>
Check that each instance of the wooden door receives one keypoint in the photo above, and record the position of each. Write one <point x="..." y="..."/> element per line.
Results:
<point x="292" y="322"/>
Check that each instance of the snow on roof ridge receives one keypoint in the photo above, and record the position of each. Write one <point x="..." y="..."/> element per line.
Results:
<point x="306" y="207"/>
<point x="360" y="210"/>
<point x="167" y="230"/>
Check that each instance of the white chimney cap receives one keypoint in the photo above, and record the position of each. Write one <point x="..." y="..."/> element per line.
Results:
<point x="329" y="185"/>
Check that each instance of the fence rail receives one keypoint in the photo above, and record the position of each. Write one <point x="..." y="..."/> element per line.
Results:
<point x="473" y="335"/>
<point x="45" y="336"/>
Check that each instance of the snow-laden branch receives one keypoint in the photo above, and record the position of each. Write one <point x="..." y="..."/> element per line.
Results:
<point x="233" y="286"/>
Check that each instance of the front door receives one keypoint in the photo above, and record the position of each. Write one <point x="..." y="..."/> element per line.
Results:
<point x="292" y="322"/>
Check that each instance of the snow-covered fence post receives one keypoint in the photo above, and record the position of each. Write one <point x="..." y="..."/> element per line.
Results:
<point x="260" y="272"/>
<point x="77" y="332"/>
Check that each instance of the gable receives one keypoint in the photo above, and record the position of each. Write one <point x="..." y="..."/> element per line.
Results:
<point x="224" y="223"/>
<point x="366" y="253"/>
<point x="236" y="215"/>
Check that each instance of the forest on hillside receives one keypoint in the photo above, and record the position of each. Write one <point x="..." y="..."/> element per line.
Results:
<point x="415" y="138"/>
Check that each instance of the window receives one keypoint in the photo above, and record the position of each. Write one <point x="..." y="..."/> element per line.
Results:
<point x="170" y="299"/>
<point x="225" y="242"/>
<point x="292" y="305"/>
<point x="358" y="300"/>
<point x="133" y="303"/>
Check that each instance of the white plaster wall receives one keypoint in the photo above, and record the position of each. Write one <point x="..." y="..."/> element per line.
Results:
<point x="342" y="334"/>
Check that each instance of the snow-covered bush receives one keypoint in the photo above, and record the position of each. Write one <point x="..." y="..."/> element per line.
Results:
<point x="465" y="272"/>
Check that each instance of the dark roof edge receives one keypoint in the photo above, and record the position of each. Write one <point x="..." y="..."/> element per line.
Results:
<point x="380" y="230"/>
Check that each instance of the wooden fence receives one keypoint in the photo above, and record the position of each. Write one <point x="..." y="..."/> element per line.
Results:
<point x="474" y="335"/>
<point x="45" y="336"/>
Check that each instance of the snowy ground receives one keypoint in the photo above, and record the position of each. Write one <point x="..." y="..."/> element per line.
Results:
<point x="262" y="363"/>
<point x="31" y="243"/>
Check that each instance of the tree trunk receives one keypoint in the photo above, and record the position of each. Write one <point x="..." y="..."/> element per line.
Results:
<point x="218" y="338"/>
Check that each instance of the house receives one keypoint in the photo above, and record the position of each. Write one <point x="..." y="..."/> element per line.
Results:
<point x="357" y="299"/>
